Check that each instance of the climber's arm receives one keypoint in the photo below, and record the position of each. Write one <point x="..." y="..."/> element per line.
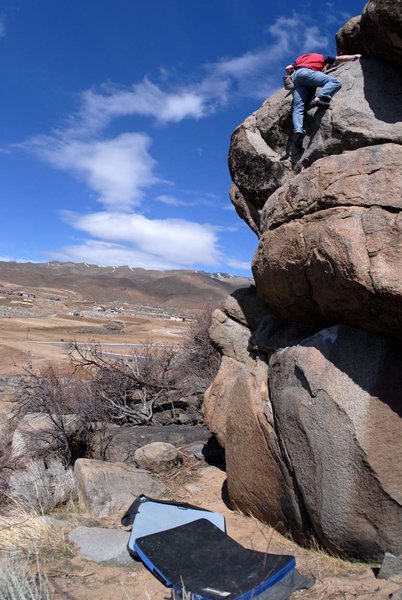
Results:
<point x="347" y="58"/>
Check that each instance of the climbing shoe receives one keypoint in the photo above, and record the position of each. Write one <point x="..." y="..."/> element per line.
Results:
<point x="298" y="141"/>
<point x="322" y="101"/>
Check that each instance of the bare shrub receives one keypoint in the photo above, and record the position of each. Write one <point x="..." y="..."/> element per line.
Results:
<point x="155" y="386"/>
<point x="199" y="359"/>
<point x="42" y="489"/>
<point x="131" y="391"/>
<point x="74" y="414"/>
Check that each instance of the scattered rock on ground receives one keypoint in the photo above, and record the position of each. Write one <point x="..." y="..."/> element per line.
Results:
<point x="106" y="489"/>
<point x="391" y="567"/>
<point x="105" y="546"/>
<point x="157" y="457"/>
<point x="124" y="441"/>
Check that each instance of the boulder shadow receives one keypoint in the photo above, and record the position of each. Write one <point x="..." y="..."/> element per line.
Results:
<point x="225" y="496"/>
<point x="214" y="454"/>
<point x="382" y="381"/>
<point x="382" y="85"/>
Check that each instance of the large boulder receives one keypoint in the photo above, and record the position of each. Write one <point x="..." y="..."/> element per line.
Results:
<point x="331" y="251"/>
<point x="337" y="400"/>
<point x="314" y="454"/>
<point x="381" y="29"/>
<point x="260" y="482"/>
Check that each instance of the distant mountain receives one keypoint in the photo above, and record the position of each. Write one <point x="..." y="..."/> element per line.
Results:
<point x="178" y="288"/>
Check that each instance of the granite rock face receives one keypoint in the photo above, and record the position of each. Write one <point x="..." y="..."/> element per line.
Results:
<point x="337" y="402"/>
<point x="311" y="422"/>
<point x="328" y="218"/>
<point x="349" y="38"/>
<point x="331" y="248"/>
<point x="381" y="29"/>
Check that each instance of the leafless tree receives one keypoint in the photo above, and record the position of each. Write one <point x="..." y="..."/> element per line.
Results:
<point x="156" y="385"/>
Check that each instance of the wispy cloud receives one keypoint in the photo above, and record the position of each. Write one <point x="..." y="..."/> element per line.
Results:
<point x="146" y="99"/>
<point x="314" y="40"/>
<point x="175" y="242"/>
<point x="240" y="264"/>
<point x="3" y="31"/>
<point x="255" y="73"/>
<point x="173" y="201"/>
<point x="118" y="169"/>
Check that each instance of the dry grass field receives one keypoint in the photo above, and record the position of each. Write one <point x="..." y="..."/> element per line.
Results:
<point x="44" y="307"/>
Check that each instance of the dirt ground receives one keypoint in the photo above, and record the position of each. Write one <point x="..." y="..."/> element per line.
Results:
<point x="40" y="340"/>
<point x="78" y="579"/>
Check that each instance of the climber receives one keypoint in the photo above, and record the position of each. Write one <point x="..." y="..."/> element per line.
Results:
<point x="307" y="74"/>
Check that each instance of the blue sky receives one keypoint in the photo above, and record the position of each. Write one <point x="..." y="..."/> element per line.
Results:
<point x="116" y="117"/>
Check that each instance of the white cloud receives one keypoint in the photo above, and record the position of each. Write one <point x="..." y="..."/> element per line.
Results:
<point x="10" y="259"/>
<point x="240" y="264"/>
<point x="118" y="169"/>
<point x="144" y="99"/>
<point x="121" y="169"/>
<point x="173" y="201"/>
<point x="242" y="66"/>
<point x="255" y="73"/>
<point x="313" y="40"/>
<point x="107" y="254"/>
<point x="176" y="241"/>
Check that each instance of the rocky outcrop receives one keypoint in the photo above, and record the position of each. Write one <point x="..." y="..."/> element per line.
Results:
<point x="311" y="423"/>
<point x="238" y="411"/>
<point x="331" y="215"/>
<point x="307" y="405"/>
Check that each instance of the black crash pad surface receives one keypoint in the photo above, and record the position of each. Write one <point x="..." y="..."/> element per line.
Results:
<point x="207" y="562"/>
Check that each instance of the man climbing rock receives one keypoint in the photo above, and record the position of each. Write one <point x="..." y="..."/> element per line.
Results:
<point x="307" y="74"/>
